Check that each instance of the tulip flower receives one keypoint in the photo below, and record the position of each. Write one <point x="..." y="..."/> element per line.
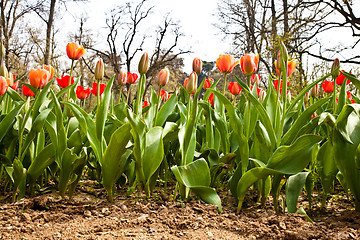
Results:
<point x="3" y="85"/>
<point x="211" y="99"/>
<point x="146" y="103"/>
<point x="234" y="88"/>
<point x="249" y="63"/>
<point x="208" y="82"/>
<point x="99" y="70"/>
<point x="328" y="86"/>
<point x="255" y="78"/>
<point x="340" y="79"/>
<point x="82" y="93"/>
<point x="197" y="65"/>
<point x="276" y="84"/>
<point x="27" y="91"/>
<point x="131" y="78"/>
<point x="15" y="85"/>
<point x="348" y="94"/>
<point x="3" y="70"/>
<point x="163" y="76"/>
<point x="74" y="51"/>
<point x="64" y="81"/>
<point x="258" y="90"/>
<point x="143" y="66"/>
<point x="290" y="67"/>
<point x="164" y="95"/>
<point x="122" y="78"/>
<point x="335" y="66"/>
<point x="191" y="83"/>
<point x="226" y="63"/>
<point x="314" y="92"/>
<point x="50" y="69"/>
<point x="39" y="77"/>
<point x="94" y="89"/>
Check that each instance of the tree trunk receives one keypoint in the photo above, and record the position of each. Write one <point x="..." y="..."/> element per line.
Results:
<point x="48" y="32"/>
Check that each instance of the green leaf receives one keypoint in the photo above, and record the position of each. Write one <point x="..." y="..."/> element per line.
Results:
<point x="165" y="110"/>
<point x="14" y="95"/>
<point x="196" y="176"/>
<point x="41" y="161"/>
<point x="101" y="113"/>
<point x="8" y="120"/>
<point x="294" y="185"/>
<point x="326" y="166"/>
<point x="66" y="168"/>
<point x="112" y="166"/>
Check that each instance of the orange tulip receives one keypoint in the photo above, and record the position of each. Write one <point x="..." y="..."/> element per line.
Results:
<point x="163" y="76"/>
<point x="74" y="51"/>
<point x="39" y="77"/>
<point x="226" y="63"/>
<point x="122" y="78"/>
<point x="234" y="88"/>
<point x="249" y="63"/>
<point x="50" y="69"/>
<point x="290" y="67"/>
<point x="197" y="65"/>
<point x="191" y="83"/>
<point x="208" y="83"/>
<point x="3" y="85"/>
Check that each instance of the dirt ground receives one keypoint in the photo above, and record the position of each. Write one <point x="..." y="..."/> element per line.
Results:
<point x="89" y="216"/>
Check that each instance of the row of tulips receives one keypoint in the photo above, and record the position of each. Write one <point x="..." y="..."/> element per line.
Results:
<point x="262" y="139"/>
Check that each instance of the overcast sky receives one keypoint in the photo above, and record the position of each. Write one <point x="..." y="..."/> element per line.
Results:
<point x="196" y="18"/>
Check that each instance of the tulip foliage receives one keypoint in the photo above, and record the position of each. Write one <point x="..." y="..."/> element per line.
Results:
<point x="261" y="138"/>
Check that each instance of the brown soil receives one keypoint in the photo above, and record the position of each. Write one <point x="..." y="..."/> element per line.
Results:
<point x="89" y="217"/>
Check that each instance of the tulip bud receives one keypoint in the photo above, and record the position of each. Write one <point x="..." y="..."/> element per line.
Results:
<point x="191" y="84"/>
<point x="3" y="85"/>
<point x="262" y="95"/>
<point x="278" y="63"/>
<point x="335" y="66"/>
<point x="11" y="79"/>
<point x="3" y="70"/>
<point x="163" y="76"/>
<point x="284" y="51"/>
<point x="288" y="95"/>
<point x="306" y="97"/>
<point x="197" y="65"/>
<point x="2" y="49"/>
<point x="208" y="83"/>
<point x="99" y="70"/>
<point x="122" y="78"/>
<point x="314" y="92"/>
<point x="255" y="78"/>
<point x="143" y="66"/>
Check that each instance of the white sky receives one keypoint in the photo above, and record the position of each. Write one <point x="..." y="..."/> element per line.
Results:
<point x="195" y="18"/>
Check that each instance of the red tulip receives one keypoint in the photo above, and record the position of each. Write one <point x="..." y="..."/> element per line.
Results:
<point x="39" y="77"/>
<point x="208" y="82"/>
<point x="3" y="85"/>
<point x="226" y="63"/>
<point x="249" y="63"/>
<point x="164" y="95"/>
<point x="146" y="103"/>
<point x="234" y="88"/>
<point x="82" y="93"/>
<point x="276" y="83"/>
<point x="348" y="95"/>
<point x="328" y="86"/>
<point x="74" y="51"/>
<point x="340" y="79"/>
<point x="211" y="99"/>
<point x="64" y="80"/>
<point x="258" y="90"/>
<point x="131" y="78"/>
<point x="94" y="89"/>
<point x="15" y="85"/>
<point x="27" y="91"/>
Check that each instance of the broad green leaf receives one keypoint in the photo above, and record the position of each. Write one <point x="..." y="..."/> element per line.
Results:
<point x="66" y="169"/>
<point x="112" y="166"/>
<point x="196" y="176"/>
<point x="8" y="120"/>
<point x="326" y="166"/>
<point x="294" y="185"/>
<point x="41" y="161"/>
<point x="14" y="95"/>
<point x="165" y="110"/>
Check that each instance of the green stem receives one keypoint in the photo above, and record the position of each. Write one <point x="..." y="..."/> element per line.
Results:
<point x="98" y="94"/>
<point x="224" y="87"/>
<point x="248" y="112"/>
<point x="120" y="94"/>
<point x="128" y="95"/>
<point x="71" y="70"/>
<point x="334" y="96"/>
